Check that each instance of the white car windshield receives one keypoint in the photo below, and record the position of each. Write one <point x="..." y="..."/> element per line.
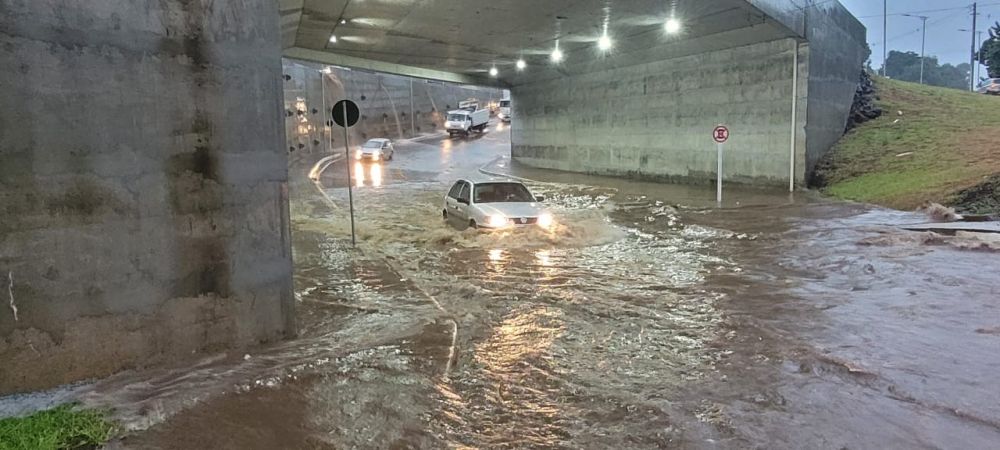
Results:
<point x="502" y="193"/>
<point x="373" y="144"/>
<point x="456" y="118"/>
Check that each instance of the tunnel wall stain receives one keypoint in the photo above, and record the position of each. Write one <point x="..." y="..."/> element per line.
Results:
<point x="143" y="198"/>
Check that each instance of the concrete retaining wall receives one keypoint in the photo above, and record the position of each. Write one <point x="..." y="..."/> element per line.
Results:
<point x="143" y="199"/>
<point x="837" y="40"/>
<point x="384" y="100"/>
<point x="654" y="120"/>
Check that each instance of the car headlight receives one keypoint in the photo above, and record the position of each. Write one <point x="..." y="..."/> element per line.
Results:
<point x="545" y="220"/>
<point x="376" y="155"/>
<point x="358" y="154"/>
<point x="497" y="221"/>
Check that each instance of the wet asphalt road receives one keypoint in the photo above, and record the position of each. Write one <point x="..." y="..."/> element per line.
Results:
<point x="648" y="319"/>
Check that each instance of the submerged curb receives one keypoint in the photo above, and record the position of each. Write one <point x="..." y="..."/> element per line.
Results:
<point x="483" y="170"/>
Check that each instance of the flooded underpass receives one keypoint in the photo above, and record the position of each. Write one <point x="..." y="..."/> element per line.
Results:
<point x="647" y="318"/>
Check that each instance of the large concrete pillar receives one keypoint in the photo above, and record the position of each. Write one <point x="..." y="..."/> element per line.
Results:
<point x="143" y="198"/>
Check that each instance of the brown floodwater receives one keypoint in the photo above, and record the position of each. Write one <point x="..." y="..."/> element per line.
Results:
<point x="650" y="318"/>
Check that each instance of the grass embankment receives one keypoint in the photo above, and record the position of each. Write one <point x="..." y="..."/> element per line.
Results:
<point x="63" y="427"/>
<point x="943" y="146"/>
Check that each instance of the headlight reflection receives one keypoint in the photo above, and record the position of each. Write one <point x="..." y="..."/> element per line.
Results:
<point x="359" y="174"/>
<point x="376" y="174"/>
<point x="372" y="173"/>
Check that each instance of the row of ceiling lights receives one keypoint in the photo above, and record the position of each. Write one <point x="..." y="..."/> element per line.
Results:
<point x="604" y="43"/>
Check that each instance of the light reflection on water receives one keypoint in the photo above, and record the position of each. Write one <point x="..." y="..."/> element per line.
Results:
<point x="367" y="174"/>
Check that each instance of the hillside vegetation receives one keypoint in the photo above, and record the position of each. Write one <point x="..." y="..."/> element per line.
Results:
<point x="931" y="145"/>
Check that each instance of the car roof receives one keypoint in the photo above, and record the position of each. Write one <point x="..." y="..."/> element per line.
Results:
<point x="378" y="140"/>
<point x="484" y="179"/>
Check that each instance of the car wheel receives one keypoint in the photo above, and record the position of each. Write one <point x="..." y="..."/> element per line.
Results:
<point x="473" y="225"/>
<point x="444" y="214"/>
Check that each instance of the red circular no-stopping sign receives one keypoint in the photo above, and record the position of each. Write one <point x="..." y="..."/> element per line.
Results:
<point x="720" y="134"/>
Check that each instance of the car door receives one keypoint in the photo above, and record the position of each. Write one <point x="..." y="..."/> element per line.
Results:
<point x="464" y="197"/>
<point x="451" y="200"/>
<point x="387" y="149"/>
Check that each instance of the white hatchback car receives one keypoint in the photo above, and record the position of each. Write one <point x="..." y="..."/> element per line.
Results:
<point x="495" y="203"/>
<point x="376" y="150"/>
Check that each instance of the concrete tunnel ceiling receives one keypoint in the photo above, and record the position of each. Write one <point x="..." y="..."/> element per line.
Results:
<point x="462" y="40"/>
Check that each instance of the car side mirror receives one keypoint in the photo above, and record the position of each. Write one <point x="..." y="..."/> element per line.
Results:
<point x="539" y="198"/>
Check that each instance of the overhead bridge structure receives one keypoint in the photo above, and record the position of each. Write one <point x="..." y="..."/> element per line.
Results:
<point x="143" y="168"/>
<point x="640" y="84"/>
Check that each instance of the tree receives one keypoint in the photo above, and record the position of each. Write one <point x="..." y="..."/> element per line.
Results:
<point x="868" y="58"/>
<point x="956" y="77"/>
<point x="901" y="65"/>
<point x="989" y="54"/>
<point x="905" y="66"/>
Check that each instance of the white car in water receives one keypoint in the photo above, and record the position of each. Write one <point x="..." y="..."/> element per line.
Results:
<point x="376" y="150"/>
<point x="495" y="203"/>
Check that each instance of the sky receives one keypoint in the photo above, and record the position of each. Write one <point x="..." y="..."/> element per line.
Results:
<point x="946" y="17"/>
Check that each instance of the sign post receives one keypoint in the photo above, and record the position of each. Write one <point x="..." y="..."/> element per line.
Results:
<point x="346" y="114"/>
<point x="720" y="135"/>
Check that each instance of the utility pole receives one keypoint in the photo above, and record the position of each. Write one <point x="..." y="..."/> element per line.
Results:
<point x="975" y="16"/>
<point x="923" y="42"/>
<point x="885" y="35"/>
<point x="977" y="51"/>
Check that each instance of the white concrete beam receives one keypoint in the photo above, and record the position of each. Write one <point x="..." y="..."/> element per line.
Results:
<point x="386" y="67"/>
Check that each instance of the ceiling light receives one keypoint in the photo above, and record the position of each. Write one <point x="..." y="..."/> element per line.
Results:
<point x="333" y="39"/>
<point x="493" y="71"/>
<point x="521" y="64"/>
<point x="673" y="26"/>
<point x="557" y="55"/>
<point x="604" y="43"/>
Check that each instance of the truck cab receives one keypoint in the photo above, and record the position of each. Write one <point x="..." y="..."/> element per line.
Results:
<point x="503" y="112"/>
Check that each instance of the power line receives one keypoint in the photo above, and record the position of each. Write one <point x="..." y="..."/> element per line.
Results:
<point x="935" y="22"/>
<point x="929" y="11"/>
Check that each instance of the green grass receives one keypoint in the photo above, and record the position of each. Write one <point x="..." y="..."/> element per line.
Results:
<point x="944" y="141"/>
<point x="64" y="427"/>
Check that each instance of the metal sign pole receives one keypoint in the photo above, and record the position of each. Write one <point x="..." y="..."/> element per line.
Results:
<point x="350" y="182"/>
<point x="718" y="184"/>
<point x="322" y="88"/>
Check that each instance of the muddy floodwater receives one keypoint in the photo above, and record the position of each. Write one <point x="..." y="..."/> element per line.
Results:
<point x="648" y="318"/>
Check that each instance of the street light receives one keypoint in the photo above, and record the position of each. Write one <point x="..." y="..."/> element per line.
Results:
<point x="672" y="26"/>
<point x="923" y="41"/>
<point x="604" y="43"/>
<point x="557" y="55"/>
<point x="885" y="37"/>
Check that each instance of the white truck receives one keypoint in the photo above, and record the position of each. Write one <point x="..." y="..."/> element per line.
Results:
<point x="467" y="118"/>
<point x="504" y="111"/>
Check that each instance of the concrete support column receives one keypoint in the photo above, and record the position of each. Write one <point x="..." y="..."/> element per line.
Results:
<point x="143" y="197"/>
